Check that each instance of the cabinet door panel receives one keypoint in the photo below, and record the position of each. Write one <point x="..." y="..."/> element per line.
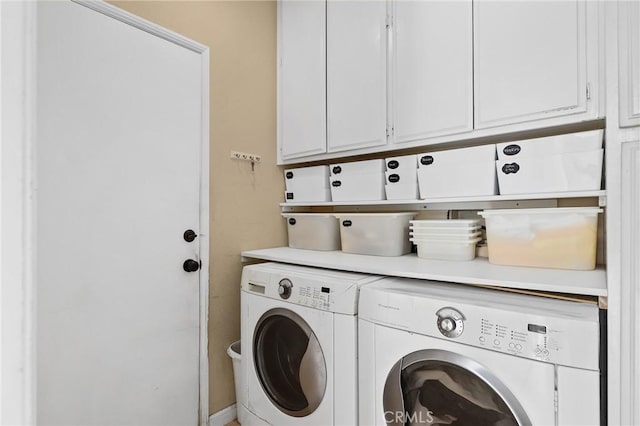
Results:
<point x="356" y="74"/>
<point x="301" y="79"/>
<point x="530" y="60"/>
<point x="629" y="53"/>
<point x="432" y="69"/>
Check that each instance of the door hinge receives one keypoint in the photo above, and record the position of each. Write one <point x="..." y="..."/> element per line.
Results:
<point x="588" y="91"/>
<point x="555" y="400"/>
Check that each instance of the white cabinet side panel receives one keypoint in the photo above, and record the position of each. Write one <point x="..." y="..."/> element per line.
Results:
<point x="630" y="285"/>
<point x="629" y="57"/>
<point x="432" y="69"/>
<point x="356" y="74"/>
<point x="301" y="78"/>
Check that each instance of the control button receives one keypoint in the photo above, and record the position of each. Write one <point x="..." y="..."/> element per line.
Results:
<point x="481" y="338"/>
<point x="545" y="352"/>
<point x="450" y="322"/>
<point x="496" y="342"/>
<point x="518" y="346"/>
<point x="537" y="351"/>
<point x="512" y="345"/>
<point x="284" y="288"/>
<point x="447" y="324"/>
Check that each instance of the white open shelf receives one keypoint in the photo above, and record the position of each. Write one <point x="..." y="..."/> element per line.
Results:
<point x="492" y="201"/>
<point x="478" y="271"/>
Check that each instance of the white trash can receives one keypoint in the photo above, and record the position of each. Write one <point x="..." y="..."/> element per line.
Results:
<point x="235" y="354"/>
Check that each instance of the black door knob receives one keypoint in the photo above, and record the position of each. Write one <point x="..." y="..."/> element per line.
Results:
<point x="190" y="265"/>
<point x="189" y="235"/>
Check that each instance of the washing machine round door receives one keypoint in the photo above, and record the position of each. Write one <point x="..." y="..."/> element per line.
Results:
<point x="441" y="387"/>
<point x="289" y="362"/>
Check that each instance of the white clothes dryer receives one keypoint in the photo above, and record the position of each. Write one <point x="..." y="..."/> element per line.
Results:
<point x="299" y="345"/>
<point x="449" y="354"/>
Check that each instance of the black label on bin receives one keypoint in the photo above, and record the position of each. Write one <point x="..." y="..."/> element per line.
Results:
<point x="346" y="223"/>
<point x="511" y="149"/>
<point x="289" y="175"/>
<point x="337" y="170"/>
<point x="393" y="164"/>
<point x="289" y="195"/>
<point x="292" y="221"/>
<point x="336" y="183"/>
<point x="510" y="168"/>
<point x="394" y="178"/>
<point x="426" y="160"/>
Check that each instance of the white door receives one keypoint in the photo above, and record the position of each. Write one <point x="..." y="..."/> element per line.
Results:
<point x="432" y="69"/>
<point x="530" y="60"/>
<point x="356" y="74"/>
<point x="302" y="112"/>
<point x="120" y="125"/>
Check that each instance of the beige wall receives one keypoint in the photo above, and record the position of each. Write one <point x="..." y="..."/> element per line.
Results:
<point x="241" y="36"/>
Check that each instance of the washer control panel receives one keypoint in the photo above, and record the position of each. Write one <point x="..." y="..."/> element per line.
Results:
<point x="450" y="322"/>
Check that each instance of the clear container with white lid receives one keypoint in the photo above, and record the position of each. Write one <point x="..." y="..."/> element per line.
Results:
<point x="562" y="238"/>
<point x="447" y="250"/>
<point x="378" y="234"/>
<point x="313" y="231"/>
<point x="427" y="236"/>
<point x="446" y="223"/>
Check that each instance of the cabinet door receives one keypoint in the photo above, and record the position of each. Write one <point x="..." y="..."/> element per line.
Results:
<point x="629" y="54"/>
<point x="356" y="74"/>
<point x="301" y="78"/>
<point x="530" y="60"/>
<point x="432" y="73"/>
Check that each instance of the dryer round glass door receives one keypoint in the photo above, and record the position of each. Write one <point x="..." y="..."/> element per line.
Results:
<point x="445" y="388"/>
<point x="289" y="362"/>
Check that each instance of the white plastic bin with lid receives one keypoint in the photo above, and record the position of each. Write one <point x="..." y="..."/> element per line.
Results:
<point x="574" y="171"/>
<point x="235" y="353"/>
<point x="458" y="173"/>
<point x="378" y="234"/>
<point x="562" y="238"/>
<point x="313" y="231"/>
<point x="551" y="145"/>
<point x="307" y="184"/>
<point x="446" y="249"/>
<point x="450" y="224"/>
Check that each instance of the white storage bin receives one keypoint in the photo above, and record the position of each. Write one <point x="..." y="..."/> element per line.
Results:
<point x="378" y="234"/>
<point x="444" y="250"/>
<point x="357" y="168"/>
<point x="575" y="171"/>
<point x="442" y="180"/>
<point x="313" y="231"/>
<point x="307" y="184"/>
<point x="358" y="187"/>
<point x="401" y="185"/>
<point x="450" y="237"/>
<point x="401" y="192"/>
<point x="458" y="157"/>
<point x="551" y="145"/>
<point x="318" y="195"/>
<point x="404" y="163"/>
<point x="563" y="238"/>
<point x="456" y="224"/>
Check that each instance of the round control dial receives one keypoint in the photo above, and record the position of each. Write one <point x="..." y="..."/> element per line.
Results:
<point x="450" y="322"/>
<point x="284" y="288"/>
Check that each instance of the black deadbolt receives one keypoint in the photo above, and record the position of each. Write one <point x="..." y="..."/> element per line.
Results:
<point x="189" y="235"/>
<point x="190" y="265"/>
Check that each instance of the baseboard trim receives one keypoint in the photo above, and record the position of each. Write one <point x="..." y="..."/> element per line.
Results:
<point x="224" y="416"/>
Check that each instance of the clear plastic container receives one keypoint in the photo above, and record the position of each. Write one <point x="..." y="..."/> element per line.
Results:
<point x="418" y="236"/>
<point x="378" y="234"/>
<point x="562" y="238"/>
<point x="313" y="231"/>
<point x="439" y="232"/>
<point x="447" y="250"/>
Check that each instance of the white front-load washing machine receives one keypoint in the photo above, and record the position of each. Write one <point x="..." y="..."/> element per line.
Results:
<point x="299" y="336"/>
<point x="448" y="354"/>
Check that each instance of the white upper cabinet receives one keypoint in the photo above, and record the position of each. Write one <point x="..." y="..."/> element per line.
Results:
<point x="301" y="78"/>
<point x="629" y="54"/>
<point x="532" y="61"/>
<point x="356" y="74"/>
<point x="432" y="69"/>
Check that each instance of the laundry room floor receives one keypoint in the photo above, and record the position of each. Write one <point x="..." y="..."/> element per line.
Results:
<point x="233" y="423"/>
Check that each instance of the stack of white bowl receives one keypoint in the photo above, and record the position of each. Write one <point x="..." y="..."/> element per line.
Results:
<point x="453" y="239"/>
